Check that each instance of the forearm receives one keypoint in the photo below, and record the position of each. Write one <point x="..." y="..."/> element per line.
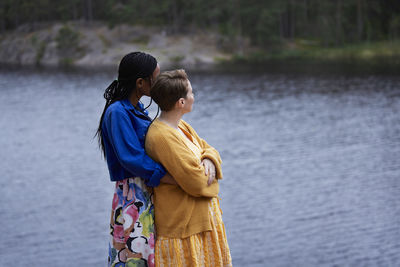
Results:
<point x="168" y="179"/>
<point x="144" y="167"/>
<point x="129" y="150"/>
<point x="194" y="182"/>
<point x="164" y="147"/>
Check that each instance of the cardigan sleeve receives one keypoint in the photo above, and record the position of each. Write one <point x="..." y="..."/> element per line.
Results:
<point x="180" y="163"/>
<point x="129" y="151"/>
<point x="208" y="151"/>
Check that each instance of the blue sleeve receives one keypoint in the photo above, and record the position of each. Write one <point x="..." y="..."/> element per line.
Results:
<point x="130" y="153"/>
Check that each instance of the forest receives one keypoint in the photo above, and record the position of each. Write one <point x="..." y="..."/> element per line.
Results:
<point x="328" y="22"/>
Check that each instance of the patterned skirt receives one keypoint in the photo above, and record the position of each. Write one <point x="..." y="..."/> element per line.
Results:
<point x="132" y="225"/>
<point x="203" y="249"/>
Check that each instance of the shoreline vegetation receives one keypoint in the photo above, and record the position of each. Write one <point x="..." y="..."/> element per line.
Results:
<point x="202" y="35"/>
<point x="383" y="51"/>
<point x="98" y="46"/>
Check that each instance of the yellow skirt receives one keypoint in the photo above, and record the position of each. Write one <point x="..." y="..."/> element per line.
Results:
<point x="203" y="249"/>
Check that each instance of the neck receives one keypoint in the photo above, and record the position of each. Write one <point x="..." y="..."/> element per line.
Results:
<point x="135" y="97"/>
<point x="172" y="118"/>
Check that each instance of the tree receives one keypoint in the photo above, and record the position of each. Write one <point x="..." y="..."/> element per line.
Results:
<point x="360" y="23"/>
<point x="333" y="22"/>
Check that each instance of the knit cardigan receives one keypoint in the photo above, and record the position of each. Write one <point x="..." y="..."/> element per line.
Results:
<point x="181" y="210"/>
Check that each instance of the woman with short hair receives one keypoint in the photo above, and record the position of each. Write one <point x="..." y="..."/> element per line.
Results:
<point x="190" y="230"/>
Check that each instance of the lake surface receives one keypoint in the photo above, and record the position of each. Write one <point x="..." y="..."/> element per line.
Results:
<point x="311" y="167"/>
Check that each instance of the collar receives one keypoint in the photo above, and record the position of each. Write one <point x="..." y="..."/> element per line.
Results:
<point x="139" y="110"/>
<point x="128" y="105"/>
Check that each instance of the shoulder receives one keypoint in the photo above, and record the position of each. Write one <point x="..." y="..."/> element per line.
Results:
<point x="115" y="107"/>
<point x="116" y="115"/>
<point x="153" y="130"/>
<point x="157" y="128"/>
<point x="158" y="131"/>
<point x="160" y="139"/>
<point x="115" y="110"/>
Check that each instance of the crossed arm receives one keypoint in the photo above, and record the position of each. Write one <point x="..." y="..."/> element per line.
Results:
<point x="190" y="175"/>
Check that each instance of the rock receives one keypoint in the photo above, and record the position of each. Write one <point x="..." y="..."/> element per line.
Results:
<point x="100" y="46"/>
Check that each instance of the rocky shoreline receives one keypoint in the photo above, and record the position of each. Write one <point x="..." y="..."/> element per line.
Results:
<point x="79" y="44"/>
<point x="95" y="46"/>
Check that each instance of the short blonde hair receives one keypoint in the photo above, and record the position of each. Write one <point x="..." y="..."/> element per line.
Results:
<point x="169" y="87"/>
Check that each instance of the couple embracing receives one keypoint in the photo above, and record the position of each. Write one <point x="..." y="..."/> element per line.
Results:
<point x="165" y="209"/>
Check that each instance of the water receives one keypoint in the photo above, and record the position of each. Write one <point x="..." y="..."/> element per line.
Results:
<point x="311" y="167"/>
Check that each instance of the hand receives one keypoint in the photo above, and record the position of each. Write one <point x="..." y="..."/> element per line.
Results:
<point x="209" y="169"/>
<point x="168" y="179"/>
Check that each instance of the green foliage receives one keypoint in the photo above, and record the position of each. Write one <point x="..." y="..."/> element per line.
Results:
<point x="388" y="52"/>
<point x="177" y="59"/>
<point x="141" y="39"/>
<point x="266" y="23"/>
<point x="66" y="61"/>
<point x="104" y="40"/>
<point x="266" y="32"/>
<point x="41" y="48"/>
<point x="68" y="45"/>
<point x="67" y="39"/>
<point x="394" y="28"/>
<point x="34" y="39"/>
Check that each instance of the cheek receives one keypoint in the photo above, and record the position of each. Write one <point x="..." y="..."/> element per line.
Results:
<point x="147" y="90"/>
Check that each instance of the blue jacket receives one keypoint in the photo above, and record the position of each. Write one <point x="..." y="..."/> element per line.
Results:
<point x="124" y="129"/>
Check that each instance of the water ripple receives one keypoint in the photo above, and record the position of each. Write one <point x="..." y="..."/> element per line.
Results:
<point x="311" y="167"/>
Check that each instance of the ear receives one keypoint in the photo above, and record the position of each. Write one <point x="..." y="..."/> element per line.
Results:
<point x="139" y="83"/>
<point x="180" y="103"/>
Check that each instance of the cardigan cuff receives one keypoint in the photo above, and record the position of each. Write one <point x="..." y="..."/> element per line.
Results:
<point x="154" y="180"/>
<point x="218" y="169"/>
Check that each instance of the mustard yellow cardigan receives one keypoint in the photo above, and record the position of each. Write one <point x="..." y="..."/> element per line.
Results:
<point x="181" y="210"/>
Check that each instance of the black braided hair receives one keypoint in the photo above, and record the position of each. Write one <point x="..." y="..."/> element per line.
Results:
<point x="133" y="66"/>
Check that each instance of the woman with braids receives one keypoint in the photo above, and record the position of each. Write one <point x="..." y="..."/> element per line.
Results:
<point x="121" y="133"/>
<point x="190" y="230"/>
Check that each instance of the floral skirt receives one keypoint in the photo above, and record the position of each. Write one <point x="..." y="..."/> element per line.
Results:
<point x="203" y="249"/>
<point x="132" y="225"/>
